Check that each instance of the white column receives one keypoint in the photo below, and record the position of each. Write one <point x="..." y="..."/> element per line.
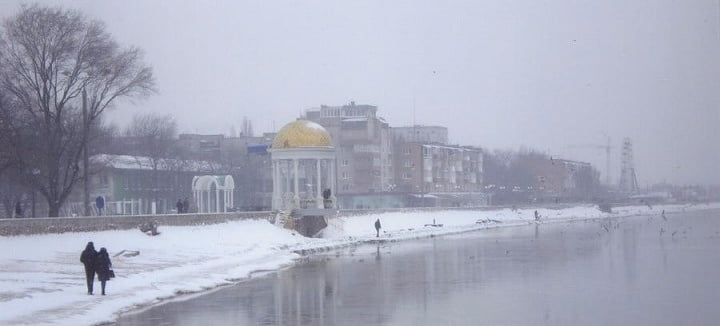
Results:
<point x="217" y="200"/>
<point x="224" y="208"/>
<point x="319" y="198"/>
<point x="287" y="176"/>
<point x="296" y="197"/>
<point x="274" y="185"/>
<point x="333" y="199"/>
<point x="208" y="204"/>
<point x="197" y="201"/>
<point x="277" y="186"/>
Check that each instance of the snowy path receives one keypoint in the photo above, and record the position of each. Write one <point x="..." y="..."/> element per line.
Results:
<point x="42" y="280"/>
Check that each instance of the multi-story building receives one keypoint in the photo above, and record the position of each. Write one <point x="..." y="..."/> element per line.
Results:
<point x="422" y="134"/>
<point x="560" y="178"/>
<point x="364" y="147"/>
<point x="203" y="146"/>
<point x="431" y="168"/>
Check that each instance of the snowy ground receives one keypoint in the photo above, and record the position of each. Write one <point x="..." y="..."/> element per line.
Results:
<point x="42" y="280"/>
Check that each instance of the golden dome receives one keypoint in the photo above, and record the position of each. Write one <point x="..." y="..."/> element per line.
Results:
<point x="301" y="133"/>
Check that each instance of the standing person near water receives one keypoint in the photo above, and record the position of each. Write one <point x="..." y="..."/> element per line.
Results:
<point x="103" y="268"/>
<point x="88" y="259"/>
<point x="377" y="228"/>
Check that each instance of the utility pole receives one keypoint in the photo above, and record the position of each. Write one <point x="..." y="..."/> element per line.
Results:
<point x="86" y="160"/>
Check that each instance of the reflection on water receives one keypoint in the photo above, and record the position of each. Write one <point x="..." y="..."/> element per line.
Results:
<point x="600" y="273"/>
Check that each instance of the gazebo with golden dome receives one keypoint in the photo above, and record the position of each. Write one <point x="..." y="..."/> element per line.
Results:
<point x="303" y="163"/>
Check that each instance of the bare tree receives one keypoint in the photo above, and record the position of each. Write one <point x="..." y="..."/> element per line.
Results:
<point x="48" y="57"/>
<point x="154" y="138"/>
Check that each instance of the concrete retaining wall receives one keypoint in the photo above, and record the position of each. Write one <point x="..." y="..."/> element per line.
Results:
<point x="22" y="226"/>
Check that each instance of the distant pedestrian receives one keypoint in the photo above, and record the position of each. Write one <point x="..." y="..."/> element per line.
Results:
<point x="100" y="204"/>
<point x="663" y="215"/>
<point x="186" y="205"/>
<point x="179" y="206"/>
<point x="326" y="198"/>
<point x="377" y="228"/>
<point x="537" y="216"/>
<point x="103" y="268"/>
<point x="88" y="259"/>
<point x="18" y="210"/>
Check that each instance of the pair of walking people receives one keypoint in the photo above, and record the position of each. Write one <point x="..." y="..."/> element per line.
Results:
<point x="96" y="262"/>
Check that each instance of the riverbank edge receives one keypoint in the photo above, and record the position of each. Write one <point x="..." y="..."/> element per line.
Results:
<point x="304" y="251"/>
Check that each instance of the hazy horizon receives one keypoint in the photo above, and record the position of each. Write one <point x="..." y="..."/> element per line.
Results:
<point x="546" y="75"/>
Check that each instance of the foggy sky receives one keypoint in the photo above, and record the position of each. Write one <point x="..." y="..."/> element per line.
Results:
<point x="499" y="74"/>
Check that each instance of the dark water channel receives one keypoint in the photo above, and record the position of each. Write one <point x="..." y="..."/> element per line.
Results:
<point x="554" y="274"/>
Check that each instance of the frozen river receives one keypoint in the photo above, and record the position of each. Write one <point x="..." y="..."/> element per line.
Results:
<point x="632" y="271"/>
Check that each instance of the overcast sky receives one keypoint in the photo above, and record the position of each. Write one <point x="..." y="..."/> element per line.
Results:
<point x="498" y="74"/>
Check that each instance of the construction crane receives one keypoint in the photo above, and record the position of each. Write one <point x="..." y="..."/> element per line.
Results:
<point x="607" y="148"/>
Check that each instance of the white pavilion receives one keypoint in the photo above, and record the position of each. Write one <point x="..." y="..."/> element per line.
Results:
<point x="213" y="193"/>
<point x="303" y="167"/>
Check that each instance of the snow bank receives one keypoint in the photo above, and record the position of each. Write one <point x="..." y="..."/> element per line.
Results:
<point x="42" y="280"/>
<point x="405" y="225"/>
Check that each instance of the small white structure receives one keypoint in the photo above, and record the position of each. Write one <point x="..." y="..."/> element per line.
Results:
<point x="213" y="193"/>
<point x="303" y="163"/>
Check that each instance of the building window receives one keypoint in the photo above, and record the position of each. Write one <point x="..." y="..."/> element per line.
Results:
<point x="345" y="162"/>
<point x="344" y="175"/>
<point x="409" y="164"/>
<point x="407" y="175"/>
<point x="426" y="152"/>
<point x="406" y="150"/>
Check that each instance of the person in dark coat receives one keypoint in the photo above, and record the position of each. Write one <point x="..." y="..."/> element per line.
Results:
<point x="186" y="205"/>
<point x="18" y="210"/>
<point x="377" y="228"/>
<point x="102" y="267"/>
<point x="100" y="204"/>
<point x="88" y="259"/>
<point x="179" y="206"/>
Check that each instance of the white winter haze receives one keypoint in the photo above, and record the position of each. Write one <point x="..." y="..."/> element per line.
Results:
<point x="498" y="74"/>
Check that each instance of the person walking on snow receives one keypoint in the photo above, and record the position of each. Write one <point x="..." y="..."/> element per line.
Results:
<point x="377" y="228"/>
<point x="537" y="216"/>
<point x="88" y="259"/>
<point x="103" y="268"/>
